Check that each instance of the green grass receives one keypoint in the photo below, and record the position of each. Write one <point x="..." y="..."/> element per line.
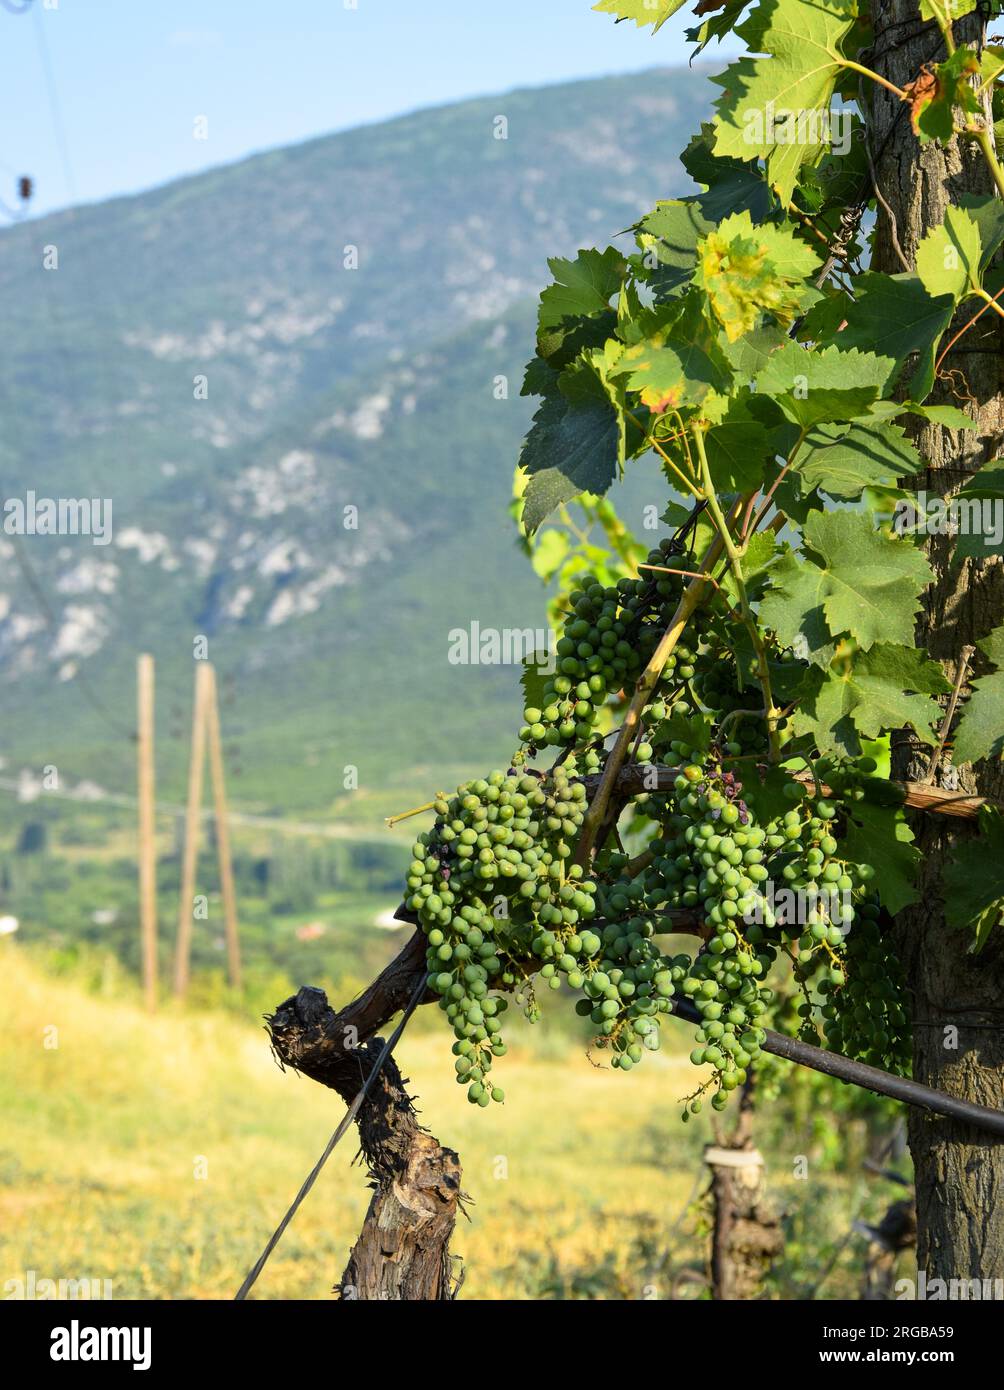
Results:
<point x="575" y="1184"/>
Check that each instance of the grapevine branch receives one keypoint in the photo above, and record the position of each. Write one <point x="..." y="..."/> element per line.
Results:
<point x="693" y="597"/>
<point x="399" y="981"/>
<point x="917" y="795"/>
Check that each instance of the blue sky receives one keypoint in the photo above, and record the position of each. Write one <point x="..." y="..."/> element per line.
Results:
<point x="99" y="97"/>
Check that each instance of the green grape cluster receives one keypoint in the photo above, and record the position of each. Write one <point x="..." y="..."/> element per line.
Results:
<point x="717" y="855"/>
<point x="869" y="1021"/>
<point x="629" y="983"/>
<point x="711" y="858"/>
<point x="491" y="885"/>
<point x="717" y="687"/>
<point x="608" y="637"/>
<point x="502" y="904"/>
<point x="691" y="863"/>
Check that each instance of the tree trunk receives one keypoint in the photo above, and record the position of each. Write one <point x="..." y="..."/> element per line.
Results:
<point x="959" y="1172"/>
<point x="403" y="1248"/>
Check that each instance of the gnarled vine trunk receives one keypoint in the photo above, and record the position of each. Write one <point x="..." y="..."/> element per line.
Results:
<point x="403" y="1248"/>
<point x="959" y="1171"/>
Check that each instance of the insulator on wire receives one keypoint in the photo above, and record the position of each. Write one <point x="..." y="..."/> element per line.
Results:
<point x="25" y="187"/>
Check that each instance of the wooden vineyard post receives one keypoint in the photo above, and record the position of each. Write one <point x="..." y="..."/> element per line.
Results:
<point x="222" y="830"/>
<point x="747" y="1236"/>
<point x="147" y="837"/>
<point x="192" y="817"/>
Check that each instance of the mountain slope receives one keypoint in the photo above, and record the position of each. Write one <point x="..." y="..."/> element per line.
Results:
<point x="205" y="357"/>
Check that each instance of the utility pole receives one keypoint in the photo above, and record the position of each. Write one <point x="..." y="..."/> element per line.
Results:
<point x="190" y="854"/>
<point x="223" y="833"/>
<point x="147" y="839"/>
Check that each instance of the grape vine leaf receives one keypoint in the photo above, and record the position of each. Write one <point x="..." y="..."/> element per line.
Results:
<point x="870" y="582"/>
<point x="991" y="63"/>
<point x="737" y="449"/>
<point x="894" y="316"/>
<point x="748" y="355"/>
<point x="880" y="836"/>
<point x="760" y="552"/>
<point x="946" y="10"/>
<point x="886" y="687"/>
<point x="695" y="730"/>
<point x="748" y="271"/>
<point x="679" y="359"/>
<point x="949" y="257"/>
<point x="795" y="503"/>
<point x="981" y="729"/>
<point x="757" y="557"/>
<point x="732" y="185"/>
<point x="971" y="884"/>
<point x="572" y="446"/>
<point x="843" y="460"/>
<point x="582" y="286"/>
<point x="763" y="790"/>
<point x="866" y="583"/>
<point x="549" y="554"/>
<point x="948" y="415"/>
<point x="575" y="311"/>
<point x="814" y="388"/>
<point x="976" y="512"/>
<point x="987" y="211"/>
<point x="643" y="12"/>
<point x="538" y="668"/>
<point x="668" y="237"/>
<point x="717" y="25"/>
<point x="826" y="190"/>
<point x="936" y="92"/>
<point x="793" y="82"/>
<point x="793" y="608"/>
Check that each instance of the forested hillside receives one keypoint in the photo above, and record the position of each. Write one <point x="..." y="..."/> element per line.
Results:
<point x="241" y="356"/>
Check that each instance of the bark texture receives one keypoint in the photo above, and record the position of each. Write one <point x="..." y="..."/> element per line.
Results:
<point x="959" y="1172"/>
<point x="746" y="1236"/>
<point x="403" y="1248"/>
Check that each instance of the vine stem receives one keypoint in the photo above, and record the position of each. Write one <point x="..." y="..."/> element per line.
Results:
<point x="989" y="300"/>
<point x="875" y="77"/>
<point x="965" y="657"/>
<point x="964" y="329"/>
<point x="735" y="555"/>
<point x="687" y="483"/>
<point x="415" y="811"/>
<point x="765" y="507"/>
<point x="982" y="138"/>
<point x="692" y="599"/>
<point x="693" y="574"/>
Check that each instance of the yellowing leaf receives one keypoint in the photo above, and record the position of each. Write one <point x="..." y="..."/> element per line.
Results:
<point x="747" y="271"/>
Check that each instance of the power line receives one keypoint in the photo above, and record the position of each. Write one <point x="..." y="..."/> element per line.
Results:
<point x="34" y="584"/>
<point x="54" y="106"/>
<point x="91" y="795"/>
